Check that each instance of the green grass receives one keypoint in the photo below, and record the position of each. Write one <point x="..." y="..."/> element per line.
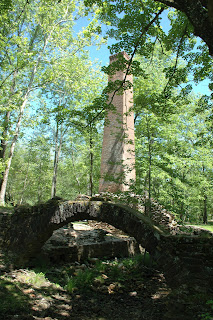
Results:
<point x="210" y="228"/>
<point x="205" y="226"/>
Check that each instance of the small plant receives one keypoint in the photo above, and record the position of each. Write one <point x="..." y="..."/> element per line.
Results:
<point x="35" y="279"/>
<point x="116" y="273"/>
<point x="106" y="272"/>
<point x="208" y="315"/>
<point x="82" y="281"/>
<point x="100" y="266"/>
<point x="147" y="260"/>
<point x="129" y="262"/>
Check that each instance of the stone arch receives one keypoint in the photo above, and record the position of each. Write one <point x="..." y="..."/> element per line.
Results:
<point x="182" y="258"/>
<point x="29" y="228"/>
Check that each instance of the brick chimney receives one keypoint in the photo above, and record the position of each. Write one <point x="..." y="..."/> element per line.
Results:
<point x="118" y="149"/>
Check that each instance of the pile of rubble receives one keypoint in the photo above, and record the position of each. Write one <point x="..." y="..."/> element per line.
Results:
<point x="163" y="217"/>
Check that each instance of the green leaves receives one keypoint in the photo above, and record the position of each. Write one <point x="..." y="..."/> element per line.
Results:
<point x="41" y="55"/>
<point x="173" y="140"/>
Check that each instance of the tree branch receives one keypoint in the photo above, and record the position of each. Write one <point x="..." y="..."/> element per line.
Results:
<point x="12" y="72"/>
<point x="143" y="31"/>
<point x="198" y="15"/>
<point x="176" y="60"/>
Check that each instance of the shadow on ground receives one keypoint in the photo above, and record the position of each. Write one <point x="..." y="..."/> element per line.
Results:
<point x="112" y="290"/>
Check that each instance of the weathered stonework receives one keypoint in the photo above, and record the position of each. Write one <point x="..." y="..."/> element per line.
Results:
<point x="85" y="241"/>
<point x="118" y="151"/>
<point x="184" y="259"/>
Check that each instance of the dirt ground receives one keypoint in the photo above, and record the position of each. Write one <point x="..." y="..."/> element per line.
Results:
<point x="113" y="289"/>
<point x="126" y="292"/>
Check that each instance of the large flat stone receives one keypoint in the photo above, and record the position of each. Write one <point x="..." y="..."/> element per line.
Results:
<point x="89" y="240"/>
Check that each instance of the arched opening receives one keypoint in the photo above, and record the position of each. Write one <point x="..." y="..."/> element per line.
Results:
<point x="38" y="223"/>
<point x="89" y="239"/>
<point x="29" y="228"/>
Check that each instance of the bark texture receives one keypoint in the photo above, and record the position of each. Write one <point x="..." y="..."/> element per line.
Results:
<point x="200" y="14"/>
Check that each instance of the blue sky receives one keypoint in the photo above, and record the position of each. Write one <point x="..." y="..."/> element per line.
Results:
<point x="102" y="54"/>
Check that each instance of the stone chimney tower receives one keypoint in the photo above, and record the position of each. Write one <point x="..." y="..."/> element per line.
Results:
<point x="118" y="149"/>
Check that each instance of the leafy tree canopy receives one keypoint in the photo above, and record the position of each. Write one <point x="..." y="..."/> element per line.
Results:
<point x="137" y="27"/>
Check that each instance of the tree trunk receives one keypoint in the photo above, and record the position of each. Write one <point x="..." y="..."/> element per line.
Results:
<point x="18" y="124"/>
<point x="205" y="214"/>
<point x="150" y="170"/>
<point x="4" y="142"/>
<point x="56" y="159"/>
<point x="15" y="138"/>
<point x="4" y="135"/>
<point x="26" y="178"/>
<point x="39" y="184"/>
<point x="6" y="123"/>
<point x="91" y="163"/>
<point x="182" y="202"/>
<point x="12" y="148"/>
<point x="74" y="171"/>
<point x="200" y="14"/>
<point x="148" y="202"/>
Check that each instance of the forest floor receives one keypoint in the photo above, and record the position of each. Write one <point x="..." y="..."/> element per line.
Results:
<point x="113" y="289"/>
<point x="118" y="289"/>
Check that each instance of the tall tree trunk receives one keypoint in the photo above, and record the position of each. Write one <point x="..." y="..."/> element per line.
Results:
<point x="39" y="184"/>
<point x="3" y="146"/>
<point x="182" y="202"/>
<point x="150" y="170"/>
<point x="56" y="158"/>
<point x="74" y="171"/>
<point x="4" y="142"/>
<point x="205" y="214"/>
<point x="18" y="124"/>
<point x="148" y="201"/>
<point x="12" y="148"/>
<point x="26" y="178"/>
<point x="91" y="162"/>
<point x="4" y="135"/>
<point x="26" y="96"/>
<point x="55" y="165"/>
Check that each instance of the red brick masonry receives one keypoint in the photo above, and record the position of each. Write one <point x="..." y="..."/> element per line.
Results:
<point x="118" y="149"/>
